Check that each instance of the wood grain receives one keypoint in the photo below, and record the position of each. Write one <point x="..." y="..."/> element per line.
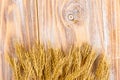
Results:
<point x="94" y="21"/>
<point x="18" y="23"/>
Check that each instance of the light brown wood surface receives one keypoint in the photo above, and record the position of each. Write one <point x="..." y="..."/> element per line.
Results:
<point x="94" y="21"/>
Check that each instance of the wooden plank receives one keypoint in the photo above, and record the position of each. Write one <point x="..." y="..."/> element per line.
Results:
<point x="63" y="23"/>
<point x="1" y="74"/>
<point x="17" y="23"/>
<point x="99" y="24"/>
<point x="115" y="41"/>
<point x="55" y="27"/>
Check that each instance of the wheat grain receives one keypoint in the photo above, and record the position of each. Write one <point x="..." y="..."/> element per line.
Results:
<point x="36" y="63"/>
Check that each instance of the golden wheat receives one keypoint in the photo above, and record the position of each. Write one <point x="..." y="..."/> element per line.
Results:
<point x="38" y="63"/>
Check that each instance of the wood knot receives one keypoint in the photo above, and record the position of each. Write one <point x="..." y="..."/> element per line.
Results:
<point x="74" y="12"/>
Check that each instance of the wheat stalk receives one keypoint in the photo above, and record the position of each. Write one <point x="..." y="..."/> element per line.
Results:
<point x="37" y="63"/>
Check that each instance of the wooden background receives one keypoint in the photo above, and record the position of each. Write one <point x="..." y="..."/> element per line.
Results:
<point x="94" y="21"/>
